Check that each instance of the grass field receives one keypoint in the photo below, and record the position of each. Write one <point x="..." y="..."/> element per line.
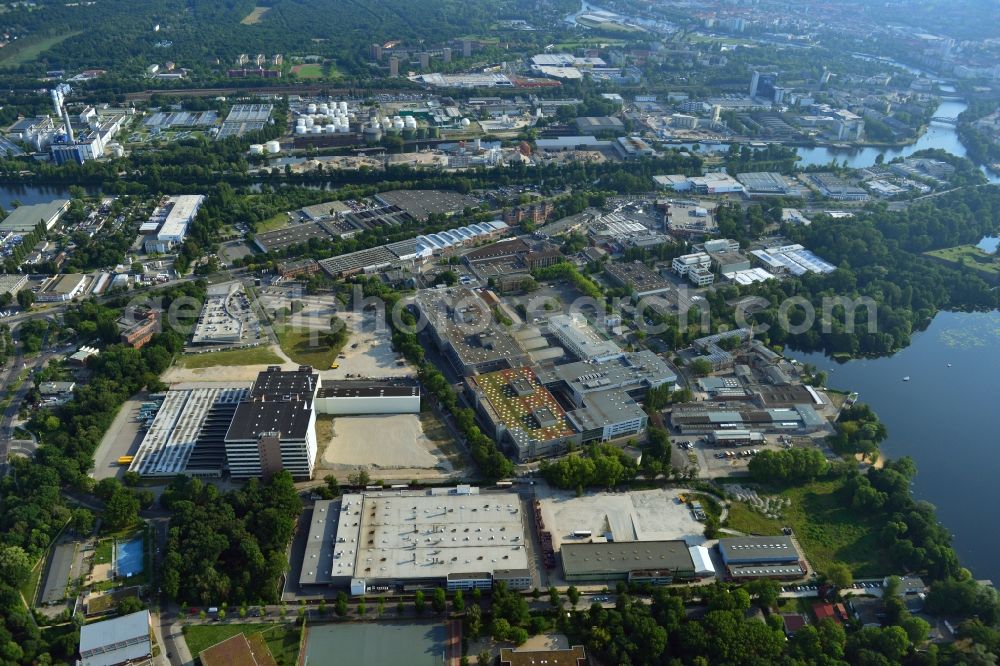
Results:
<point x="254" y="17"/>
<point x="279" y="221"/>
<point x="828" y="529"/>
<point x="281" y="639"/>
<point x="970" y="256"/>
<point x="307" y="347"/>
<point x="102" y="554"/>
<point x="250" y="356"/>
<point x="29" y="50"/>
<point x="30" y="587"/>
<point x="308" y="71"/>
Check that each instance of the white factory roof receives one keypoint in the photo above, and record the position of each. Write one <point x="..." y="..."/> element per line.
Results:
<point x="184" y="208"/>
<point x="413" y="535"/>
<point x="585" y="341"/>
<point x="702" y="561"/>
<point x="115" y="641"/>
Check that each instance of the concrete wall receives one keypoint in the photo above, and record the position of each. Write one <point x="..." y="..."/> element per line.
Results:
<point x="369" y="405"/>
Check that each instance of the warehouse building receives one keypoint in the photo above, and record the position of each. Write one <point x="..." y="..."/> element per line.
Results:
<point x="697" y="419"/>
<point x="638" y="278"/>
<point x="766" y="184"/>
<point x="421" y="204"/>
<point x="653" y="562"/>
<point x="296" y="234"/>
<point x="25" y="219"/>
<point x="596" y="124"/>
<point x="368" y="397"/>
<point x="168" y="225"/>
<point x="122" y="640"/>
<point x="455" y="538"/>
<point x="752" y="557"/>
<point x="62" y="288"/>
<point x="274" y="428"/>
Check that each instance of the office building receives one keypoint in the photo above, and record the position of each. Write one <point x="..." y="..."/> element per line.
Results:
<point x="683" y="264"/>
<point x="520" y="414"/>
<point x="581" y="339"/>
<point x="462" y="327"/>
<point x="274" y="428"/>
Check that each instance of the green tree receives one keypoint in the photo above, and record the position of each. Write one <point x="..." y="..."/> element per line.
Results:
<point x="458" y="602"/>
<point x="573" y="595"/>
<point x="439" y="600"/>
<point x="340" y="606"/>
<point x="419" y="605"/>
<point x="83" y="521"/>
<point x="840" y="575"/>
<point x="15" y="565"/>
<point x="122" y="510"/>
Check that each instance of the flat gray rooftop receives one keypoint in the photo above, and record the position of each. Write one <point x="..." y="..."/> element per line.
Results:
<point x="415" y="535"/>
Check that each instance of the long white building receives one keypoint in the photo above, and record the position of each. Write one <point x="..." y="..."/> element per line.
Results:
<point x="170" y="222"/>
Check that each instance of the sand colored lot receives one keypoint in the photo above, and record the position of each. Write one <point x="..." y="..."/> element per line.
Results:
<point x="383" y="442"/>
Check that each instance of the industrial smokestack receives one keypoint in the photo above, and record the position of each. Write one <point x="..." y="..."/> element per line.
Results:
<point x="69" y="126"/>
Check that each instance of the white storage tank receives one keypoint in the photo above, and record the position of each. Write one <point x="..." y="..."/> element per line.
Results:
<point x="301" y="120"/>
<point x="117" y="150"/>
<point x="318" y="129"/>
<point x="465" y="122"/>
<point x="397" y="123"/>
<point x="324" y="108"/>
<point x="386" y="123"/>
<point x="309" y="121"/>
<point x="344" y="128"/>
<point x="301" y="129"/>
<point x="343" y="106"/>
<point x="311" y="108"/>
<point x="272" y="147"/>
<point x="331" y="128"/>
<point x="256" y="149"/>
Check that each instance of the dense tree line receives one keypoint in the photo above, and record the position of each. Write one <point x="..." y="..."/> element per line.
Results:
<point x="228" y="547"/>
<point x="796" y="465"/>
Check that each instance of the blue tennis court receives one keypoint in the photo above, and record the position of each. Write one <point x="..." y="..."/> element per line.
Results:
<point x="128" y="558"/>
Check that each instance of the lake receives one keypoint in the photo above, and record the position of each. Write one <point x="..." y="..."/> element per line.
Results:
<point x="944" y="418"/>
<point x="30" y="194"/>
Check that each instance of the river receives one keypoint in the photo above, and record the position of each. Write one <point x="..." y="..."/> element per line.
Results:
<point x="938" y="135"/>
<point x="944" y="418"/>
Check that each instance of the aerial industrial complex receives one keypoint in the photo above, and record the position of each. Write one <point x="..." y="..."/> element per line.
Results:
<point x="456" y="538"/>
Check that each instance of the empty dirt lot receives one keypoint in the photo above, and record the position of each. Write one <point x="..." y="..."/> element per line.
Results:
<point x="398" y="446"/>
